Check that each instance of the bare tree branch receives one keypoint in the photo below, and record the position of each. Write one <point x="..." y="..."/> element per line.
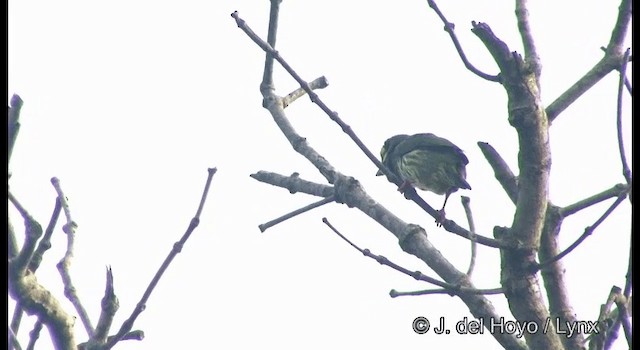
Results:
<point x="34" y="335"/>
<point x="36" y="259"/>
<point x="13" y="341"/>
<point x="610" y="61"/>
<point x="530" y="51"/>
<point x="267" y="86"/>
<point x="626" y="172"/>
<point x="587" y="232"/>
<point x="299" y="144"/>
<point x="466" y="203"/>
<point x="64" y="266"/>
<point x="376" y="211"/>
<point x="14" y="123"/>
<point x="109" y="306"/>
<point x="319" y="83"/>
<point x="501" y="170"/>
<point x="412" y="238"/>
<point x="177" y="248"/>
<point x="451" y="289"/>
<point x="553" y="277"/>
<point x="265" y="226"/>
<point x="294" y="183"/>
<point x="527" y="116"/>
<point x="614" y="191"/>
<point x="449" y="28"/>
<point x="493" y="291"/>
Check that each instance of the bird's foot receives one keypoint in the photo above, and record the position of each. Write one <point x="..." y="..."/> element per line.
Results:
<point x="440" y="218"/>
<point x="404" y="186"/>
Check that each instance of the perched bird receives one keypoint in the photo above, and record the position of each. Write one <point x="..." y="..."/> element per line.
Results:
<point x="427" y="162"/>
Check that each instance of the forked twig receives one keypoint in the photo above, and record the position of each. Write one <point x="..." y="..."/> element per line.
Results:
<point x="449" y="28"/>
<point x="177" y="248"/>
<point x="448" y="288"/>
<point x="587" y="232"/>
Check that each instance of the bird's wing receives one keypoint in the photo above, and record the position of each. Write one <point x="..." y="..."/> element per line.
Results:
<point x="430" y="142"/>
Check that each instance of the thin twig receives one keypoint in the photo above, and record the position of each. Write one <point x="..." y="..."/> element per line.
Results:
<point x="265" y="226"/>
<point x="293" y="183"/>
<point x="16" y="318"/>
<point x="394" y="293"/>
<point x="64" y="265"/>
<point x="472" y="228"/>
<point x="587" y="232"/>
<point x="449" y="28"/>
<point x="609" y="62"/>
<point x="177" y="248"/>
<point x="318" y="83"/>
<point x="614" y="191"/>
<point x="13" y="341"/>
<point x="45" y="242"/>
<point x="34" y="335"/>
<point x="451" y="288"/>
<point x="626" y="172"/>
<point x="627" y="83"/>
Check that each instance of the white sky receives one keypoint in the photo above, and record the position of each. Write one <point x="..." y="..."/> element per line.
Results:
<point x="129" y="103"/>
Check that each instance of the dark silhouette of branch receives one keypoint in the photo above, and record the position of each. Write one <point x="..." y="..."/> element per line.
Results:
<point x="177" y="248"/>
<point x="449" y="28"/>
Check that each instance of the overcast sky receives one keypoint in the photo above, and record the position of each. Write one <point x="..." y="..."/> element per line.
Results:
<point x="128" y="104"/>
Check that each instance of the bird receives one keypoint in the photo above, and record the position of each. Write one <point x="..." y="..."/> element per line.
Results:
<point x="428" y="162"/>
